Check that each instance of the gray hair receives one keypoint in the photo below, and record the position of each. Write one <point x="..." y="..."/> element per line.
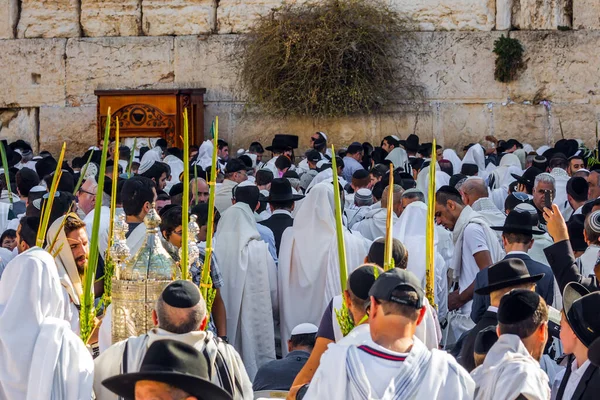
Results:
<point x="180" y="320"/>
<point x="545" y="177"/>
<point x="414" y="194"/>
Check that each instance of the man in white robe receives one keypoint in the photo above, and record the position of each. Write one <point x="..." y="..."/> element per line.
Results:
<point x="250" y="286"/>
<point x="308" y="273"/>
<point x="394" y="364"/>
<point x="374" y="223"/>
<point x="511" y="369"/>
<point x="180" y="315"/>
<point x="138" y="195"/>
<point x="235" y="173"/>
<point x="475" y="194"/>
<point x="40" y="357"/>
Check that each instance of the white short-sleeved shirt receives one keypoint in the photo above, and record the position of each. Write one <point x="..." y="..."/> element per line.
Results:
<point x="474" y="241"/>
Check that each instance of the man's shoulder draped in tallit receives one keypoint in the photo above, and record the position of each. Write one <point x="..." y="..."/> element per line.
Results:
<point x="246" y="265"/>
<point x="308" y="273"/>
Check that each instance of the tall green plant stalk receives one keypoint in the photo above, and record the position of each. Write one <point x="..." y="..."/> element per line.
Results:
<point x="82" y="173"/>
<point x="430" y="235"/>
<point x="388" y="260"/>
<point x="109" y="263"/>
<point x="6" y="173"/>
<point x="41" y="234"/>
<point x="130" y="163"/>
<point x="185" y="204"/>
<point x="87" y="313"/>
<point x="339" y="226"/>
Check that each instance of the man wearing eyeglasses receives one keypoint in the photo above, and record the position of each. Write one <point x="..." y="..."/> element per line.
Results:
<point x="87" y="196"/>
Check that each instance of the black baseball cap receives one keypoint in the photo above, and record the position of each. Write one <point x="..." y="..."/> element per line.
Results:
<point x="400" y="279"/>
<point x="313" y="156"/>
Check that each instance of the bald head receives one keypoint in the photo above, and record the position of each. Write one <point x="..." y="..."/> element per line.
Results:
<point x="397" y="206"/>
<point x="473" y="189"/>
<point x="199" y="190"/>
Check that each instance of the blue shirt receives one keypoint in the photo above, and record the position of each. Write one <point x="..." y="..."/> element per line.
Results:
<point x="280" y="374"/>
<point x="350" y="167"/>
<point x="267" y="236"/>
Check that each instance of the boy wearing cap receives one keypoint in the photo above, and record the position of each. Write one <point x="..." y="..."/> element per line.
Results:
<point x="579" y="327"/>
<point x="393" y="362"/>
<point x="511" y="369"/>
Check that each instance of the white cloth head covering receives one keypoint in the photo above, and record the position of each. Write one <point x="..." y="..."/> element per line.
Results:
<point x="176" y="166"/>
<point x="475" y="155"/>
<point x="65" y="263"/>
<point x="204" y="157"/>
<point x="450" y="155"/>
<point x="542" y="149"/>
<point x="40" y="357"/>
<point x="441" y="179"/>
<point x="304" y="329"/>
<point x="399" y="157"/>
<point x="154" y="154"/>
<point x="506" y="162"/>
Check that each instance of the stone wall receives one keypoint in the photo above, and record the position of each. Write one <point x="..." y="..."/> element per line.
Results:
<point x="54" y="54"/>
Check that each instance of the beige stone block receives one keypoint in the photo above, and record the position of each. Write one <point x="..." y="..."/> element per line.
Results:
<point x="460" y="124"/>
<point x="49" y="19"/>
<point x="578" y="122"/>
<point x="454" y="66"/>
<point x="527" y="123"/>
<point x="177" y="17"/>
<point x="586" y="14"/>
<point x="9" y="14"/>
<point x="74" y="125"/>
<point x="111" y="17"/>
<point x="207" y="62"/>
<point x="33" y="72"/>
<point x="447" y="15"/>
<point x="19" y="124"/>
<point x="541" y="14"/>
<point x="234" y="16"/>
<point x="117" y="63"/>
<point x="560" y="67"/>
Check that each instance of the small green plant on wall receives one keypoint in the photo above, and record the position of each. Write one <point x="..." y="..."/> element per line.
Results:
<point x="509" y="59"/>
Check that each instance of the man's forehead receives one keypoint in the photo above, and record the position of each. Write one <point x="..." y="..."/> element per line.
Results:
<point x="89" y="186"/>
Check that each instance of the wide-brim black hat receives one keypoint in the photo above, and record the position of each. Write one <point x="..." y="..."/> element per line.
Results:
<point x="283" y="142"/>
<point x="518" y="222"/>
<point x="581" y="309"/>
<point x="507" y="273"/>
<point x="281" y="192"/>
<point x="12" y="157"/>
<point x="594" y="352"/>
<point x="528" y="177"/>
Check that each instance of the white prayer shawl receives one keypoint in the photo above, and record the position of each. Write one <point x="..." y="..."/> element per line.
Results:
<point x="500" y="174"/>
<point x="588" y="259"/>
<point x="105" y="330"/>
<point x="325" y="176"/>
<point x="135" y="240"/>
<point x="540" y="242"/>
<point x="450" y="155"/>
<point x="422" y="375"/>
<point x="4" y="209"/>
<point x="399" y="157"/>
<point x="476" y="155"/>
<point x="250" y="300"/>
<point x="204" y="157"/>
<point x="270" y="165"/>
<point x="508" y="371"/>
<point x="224" y="194"/>
<point x="441" y="179"/>
<point x="490" y="212"/>
<point x="40" y="358"/>
<point x="104" y="226"/>
<point x="560" y="184"/>
<point x="468" y="216"/>
<point x="151" y="156"/>
<point x="110" y="363"/>
<point x="176" y="166"/>
<point x="374" y="223"/>
<point x="308" y="261"/>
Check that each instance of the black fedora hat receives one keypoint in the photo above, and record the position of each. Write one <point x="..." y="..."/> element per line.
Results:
<point x="518" y="222"/>
<point x="506" y="273"/>
<point x="581" y="309"/>
<point x="281" y="192"/>
<point x="594" y="352"/>
<point x="12" y="157"/>
<point x="528" y="177"/>
<point x="174" y="363"/>
<point x="283" y="142"/>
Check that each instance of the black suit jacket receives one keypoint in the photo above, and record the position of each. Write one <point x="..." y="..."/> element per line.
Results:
<point x="466" y="357"/>
<point x="278" y="223"/>
<point x="588" y="387"/>
<point x="562" y="261"/>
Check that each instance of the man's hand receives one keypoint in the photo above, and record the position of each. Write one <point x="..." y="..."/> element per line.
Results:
<point x="557" y="228"/>
<point x="454" y="301"/>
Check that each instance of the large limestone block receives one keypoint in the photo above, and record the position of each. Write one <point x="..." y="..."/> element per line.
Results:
<point x="74" y="125"/>
<point x="447" y="15"/>
<point x="19" y="124"/>
<point x="527" y="123"/>
<point x="586" y="14"/>
<point x="461" y="124"/>
<point x="541" y="14"/>
<point x="234" y="16"/>
<point x="49" y="19"/>
<point x="33" y="72"/>
<point x="454" y="66"/>
<point x="561" y="67"/>
<point x="117" y="63"/>
<point x="9" y="15"/>
<point x="111" y="17"/>
<point x="578" y="122"/>
<point x="178" y="17"/>
<point x="207" y="62"/>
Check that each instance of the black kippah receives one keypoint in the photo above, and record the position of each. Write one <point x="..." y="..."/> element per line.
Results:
<point x="449" y="189"/>
<point x="485" y="340"/>
<point x="181" y="294"/>
<point x="517" y="306"/>
<point x="361" y="280"/>
<point x="360" y="174"/>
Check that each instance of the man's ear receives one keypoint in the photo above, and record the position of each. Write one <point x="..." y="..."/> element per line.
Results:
<point x="422" y="312"/>
<point x="154" y="318"/>
<point x="203" y="323"/>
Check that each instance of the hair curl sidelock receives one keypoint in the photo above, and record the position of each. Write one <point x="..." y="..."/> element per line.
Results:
<point x="326" y="59"/>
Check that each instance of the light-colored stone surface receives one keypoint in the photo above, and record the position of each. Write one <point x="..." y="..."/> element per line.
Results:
<point x="74" y="125"/>
<point x="33" y="72"/>
<point x="116" y="63"/>
<point x="234" y="16"/>
<point x="578" y="121"/>
<point x="586" y="14"/>
<point x="460" y="124"/>
<point x="19" y="124"/>
<point x="49" y="19"/>
<point x="447" y="15"/>
<point x="561" y="67"/>
<point x="504" y="14"/>
<point x="541" y="14"/>
<point x="111" y="17"/>
<point x="9" y="12"/>
<point x="529" y="123"/>
<point x="207" y="62"/>
<point x="177" y="17"/>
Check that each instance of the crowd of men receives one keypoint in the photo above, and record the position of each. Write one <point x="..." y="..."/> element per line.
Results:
<point x="515" y="283"/>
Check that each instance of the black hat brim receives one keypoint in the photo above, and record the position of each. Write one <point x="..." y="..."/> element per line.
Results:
<point x="594" y="352"/>
<point x="508" y="283"/>
<point x="517" y="229"/>
<point x="573" y="292"/>
<point x="124" y="385"/>
<point x="292" y="197"/>
<point x="521" y="180"/>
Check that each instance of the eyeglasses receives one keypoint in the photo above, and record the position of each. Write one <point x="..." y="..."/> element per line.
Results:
<point x="85" y="191"/>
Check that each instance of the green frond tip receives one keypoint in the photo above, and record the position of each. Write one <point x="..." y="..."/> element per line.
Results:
<point x="344" y="319"/>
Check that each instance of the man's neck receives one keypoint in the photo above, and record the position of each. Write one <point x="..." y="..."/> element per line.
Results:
<point x="402" y="345"/>
<point x="134" y="219"/>
<point x="581" y="354"/>
<point x="516" y="247"/>
<point x="302" y="348"/>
